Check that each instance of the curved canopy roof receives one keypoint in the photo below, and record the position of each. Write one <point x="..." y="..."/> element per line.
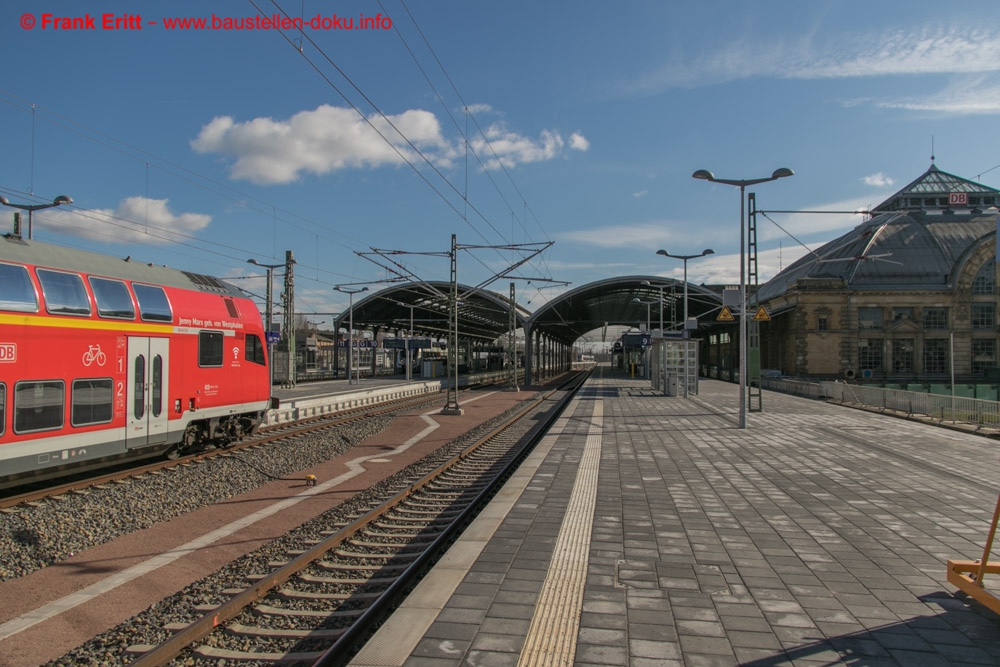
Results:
<point x="483" y="315"/>
<point x="611" y="302"/>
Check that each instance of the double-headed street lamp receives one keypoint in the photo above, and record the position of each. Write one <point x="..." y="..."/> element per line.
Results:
<point x="685" y="258"/>
<point x="350" y="331"/>
<point x="267" y="308"/>
<point x="706" y="175"/>
<point x="684" y="327"/>
<point x="31" y="208"/>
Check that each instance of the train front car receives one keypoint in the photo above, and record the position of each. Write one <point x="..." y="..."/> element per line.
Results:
<point x="103" y="358"/>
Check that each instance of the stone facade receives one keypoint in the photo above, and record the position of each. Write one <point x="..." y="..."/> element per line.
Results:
<point x="899" y="297"/>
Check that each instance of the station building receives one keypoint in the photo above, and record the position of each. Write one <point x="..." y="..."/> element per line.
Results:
<point x="908" y="296"/>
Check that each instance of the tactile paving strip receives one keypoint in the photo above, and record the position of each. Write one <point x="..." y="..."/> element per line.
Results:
<point x="554" y="627"/>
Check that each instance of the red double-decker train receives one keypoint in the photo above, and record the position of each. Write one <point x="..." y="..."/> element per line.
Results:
<point x="103" y="358"/>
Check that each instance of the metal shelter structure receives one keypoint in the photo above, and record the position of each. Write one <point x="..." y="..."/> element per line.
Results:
<point x="549" y="333"/>
<point x="551" y="330"/>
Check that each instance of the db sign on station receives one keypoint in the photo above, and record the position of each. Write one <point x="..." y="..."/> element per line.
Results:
<point x="958" y="198"/>
<point x="8" y="353"/>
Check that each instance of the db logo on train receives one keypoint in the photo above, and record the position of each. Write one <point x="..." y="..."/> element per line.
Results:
<point x="8" y="353"/>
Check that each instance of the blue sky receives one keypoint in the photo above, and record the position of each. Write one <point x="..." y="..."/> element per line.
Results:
<point x="524" y="122"/>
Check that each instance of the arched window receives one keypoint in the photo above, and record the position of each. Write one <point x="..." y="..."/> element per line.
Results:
<point x="984" y="284"/>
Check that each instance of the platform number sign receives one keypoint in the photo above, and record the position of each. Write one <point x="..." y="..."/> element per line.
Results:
<point x="958" y="198"/>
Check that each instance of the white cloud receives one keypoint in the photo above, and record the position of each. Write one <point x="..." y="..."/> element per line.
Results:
<point x="651" y="234"/>
<point x="578" y="142"/>
<point x="930" y="50"/>
<point x="640" y="193"/>
<point x="135" y="219"/>
<point x="510" y="148"/>
<point x="479" y="107"/>
<point x="807" y="226"/>
<point x="685" y="236"/>
<point x="268" y="151"/>
<point x="725" y="269"/>
<point x="979" y="95"/>
<point x="878" y="180"/>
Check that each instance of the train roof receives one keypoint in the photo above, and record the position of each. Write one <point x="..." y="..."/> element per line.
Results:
<point x="46" y="255"/>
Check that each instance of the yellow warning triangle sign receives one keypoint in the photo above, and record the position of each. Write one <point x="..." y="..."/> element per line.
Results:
<point x="762" y="315"/>
<point x="725" y="315"/>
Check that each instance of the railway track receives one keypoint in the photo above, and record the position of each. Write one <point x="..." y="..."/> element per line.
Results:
<point x="36" y="493"/>
<point x="318" y="604"/>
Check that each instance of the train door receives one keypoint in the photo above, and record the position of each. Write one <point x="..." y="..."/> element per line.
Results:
<point x="147" y="391"/>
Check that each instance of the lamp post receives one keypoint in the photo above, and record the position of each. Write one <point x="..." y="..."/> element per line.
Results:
<point x="350" y="331"/>
<point x="706" y="175"/>
<point x="684" y="327"/>
<point x="645" y="353"/>
<point x="267" y="309"/>
<point x="31" y="208"/>
<point x="646" y="283"/>
<point x="409" y="371"/>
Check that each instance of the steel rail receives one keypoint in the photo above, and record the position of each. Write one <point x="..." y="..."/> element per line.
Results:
<point x="204" y="626"/>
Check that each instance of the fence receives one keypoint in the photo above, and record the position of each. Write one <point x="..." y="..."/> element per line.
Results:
<point x="977" y="412"/>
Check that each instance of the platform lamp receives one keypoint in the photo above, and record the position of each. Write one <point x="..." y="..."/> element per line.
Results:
<point x="706" y="175"/>
<point x="409" y="361"/>
<point x="684" y="329"/>
<point x="31" y="208"/>
<point x="648" y="332"/>
<point x="350" y="331"/>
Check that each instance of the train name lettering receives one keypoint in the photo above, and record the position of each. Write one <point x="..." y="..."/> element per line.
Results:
<point x="215" y="324"/>
<point x="8" y="353"/>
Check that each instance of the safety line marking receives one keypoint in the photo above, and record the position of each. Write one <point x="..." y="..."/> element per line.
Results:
<point x="551" y="638"/>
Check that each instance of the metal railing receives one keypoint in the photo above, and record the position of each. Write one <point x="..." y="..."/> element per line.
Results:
<point x="957" y="409"/>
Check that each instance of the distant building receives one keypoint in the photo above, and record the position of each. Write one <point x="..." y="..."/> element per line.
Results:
<point x="883" y="302"/>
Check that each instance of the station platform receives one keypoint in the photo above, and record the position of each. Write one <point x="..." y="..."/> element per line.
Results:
<point x="651" y="530"/>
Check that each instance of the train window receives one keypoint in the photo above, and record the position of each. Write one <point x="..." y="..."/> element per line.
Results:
<point x="64" y="293"/>
<point x="91" y="402"/>
<point x="18" y="293"/>
<point x="113" y="299"/>
<point x="153" y="304"/>
<point x="157" y="388"/>
<point x="38" y="406"/>
<point x="139" y="399"/>
<point x="3" y="408"/>
<point x="210" y="348"/>
<point x="255" y="350"/>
